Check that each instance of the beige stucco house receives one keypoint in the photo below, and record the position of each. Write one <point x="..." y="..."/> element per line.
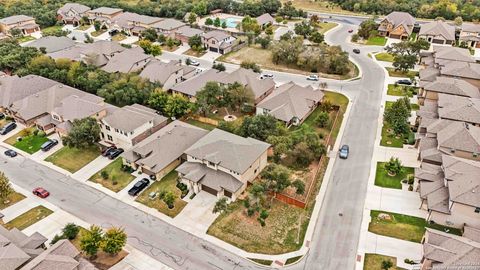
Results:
<point x="470" y="35"/>
<point x="218" y="41"/>
<point x="104" y="15"/>
<point x="167" y="74"/>
<point x="72" y="13"/>
<point x="398" y="25"/>
<point x="25" y="24"/>
<point x="437" y="32"/>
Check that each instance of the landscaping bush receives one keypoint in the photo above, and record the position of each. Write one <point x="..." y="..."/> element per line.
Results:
<point x="161" y="194"/>
<point x="8" y="118"/>
<point x="393" y="166"/>
<point x="104" y="174"/>
<point x="411" y="179"/>
<point x="408" y="261"/>
<point x="326" y="106"/>
<point x="355" y="37"/>
<point x="182" y="186"/>
<point x="263" y="214"/>
<point x="323" y="119"/>
<point x="35" y="132"/>
<point x="387" y="265"/>
<point x="299" y="186"/>
<point x="169" y="199"/>
<point x="41" y="133"/>
<point x="127" y="168"/>
<point x="70" y="231"/>
<point x="57" y="238"/>
<point x="262" y="222"/>
<point x="410" y="188"/>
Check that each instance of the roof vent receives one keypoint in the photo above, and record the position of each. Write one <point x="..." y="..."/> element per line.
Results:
<point x="466" y="126"/>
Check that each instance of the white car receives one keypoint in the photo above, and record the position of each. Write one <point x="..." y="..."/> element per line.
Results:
<point x="312" y="77"/>
<point x="194" y="63"/>
<point x="266" y="75"/>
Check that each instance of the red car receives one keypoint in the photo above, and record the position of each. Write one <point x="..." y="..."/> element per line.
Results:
<point x="41" y="192"/>
<point x="350" y="31"/>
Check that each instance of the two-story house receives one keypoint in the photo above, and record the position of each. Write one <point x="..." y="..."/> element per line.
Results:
<point x="222" y="163"/>
<point x="167" y="74"/>
<point x="104" y="15"/>
<point x="129" y="60"/>
<point x="470" y="35"/>
<point x="168" y="27"/>
<point x="163" y="151"/>
<point x="72" y="13"/>
<point x="129" y="125"/>
<point x="447" y="85"/>
<point x="133" y="23"/>
<point x="398" y="25"/>
<point x="25" y="24"/>
<point x="218" y="41"/>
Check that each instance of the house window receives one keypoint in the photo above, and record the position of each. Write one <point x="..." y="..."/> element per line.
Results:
<point x="475" y="154"/>
<point x="213" y="41"/>
<point x="211" y="164"/>
<point x="477" y="210"/>
<point x="109" y="138"/>
<point x="107" y="127"/>
<point x="116" y="130"/>
<point x="452" y="150"/>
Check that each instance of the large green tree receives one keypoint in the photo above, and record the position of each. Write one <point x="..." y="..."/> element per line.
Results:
<point x="91" y="241"/>
<point x="84" y="133"/>
<point x="5" y="187"/>
<point x="277" y="177"/>
<point x="259" y="127"/>
<point x="114" y="239"/>
<point x="14" y="57"/>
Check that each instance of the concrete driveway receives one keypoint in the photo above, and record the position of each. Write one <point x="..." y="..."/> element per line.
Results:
<point x="210" y="56"/>
<point x="41" y="155"/>
<point x="91" y="168"/>
<point x="197" y="216"/>
<point x="129" y="40"/>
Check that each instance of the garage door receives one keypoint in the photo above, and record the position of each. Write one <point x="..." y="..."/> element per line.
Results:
<point x="209" y="190"/>
<point x="213" y="49"/>
<point x="438" y="41"/>
<point x="227" y="193"/>
<point x="395" y="36"/>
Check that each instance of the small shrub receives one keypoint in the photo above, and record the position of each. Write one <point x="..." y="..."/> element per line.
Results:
<point x="104" y="174"/>
<point x="323" y="119"/>
<point x="114" y="183"/>
<point x="35" y="132"/>
<point x="8" y="118"/>
<point x="299" y="186"/>
<point x="326" y="106"/>
<point x="250" y="211"/>
<point x="410" y="188"/>
<point x="262" y="222"/>
<point x="70" y="231"/>
<point x="264" y="214"/>
<point x="386" y="265"/>
<point x="408" y="261"/>
<point x="41" y="133"/>
<point x="411" y="179"/>
<point x="57" y="238"/>
<point x="161" y="194"/>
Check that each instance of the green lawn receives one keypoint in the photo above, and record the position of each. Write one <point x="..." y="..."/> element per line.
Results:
<point x="393" y="73"/>
<point x="377" y="41"/>
<point x="263" y="262"/>
<point x="98" y="33"/>
<point x="374" y="262"/>
<point x="52" y="29"/>
<point x="119" y="37"/>
<point x="401" y="90"/>
<point x="30" y="143"/>
<point x="25" y="39"/>
<point x="28" y="218"/>
<point x="200" y="124"/>
<point x="384" y="57"/>
<point x="382" y="178"/>
<point x="117" y="178"/>
<point x="292" y="260"/>
<point x="389" y="138"/>
<point x="167" y="183"/>
<point x="11" y="199"/>
<point x="403" y="227"/>
<point x="73" y="159"/>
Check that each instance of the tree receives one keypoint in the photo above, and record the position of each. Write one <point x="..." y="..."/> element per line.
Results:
<point x="14" y="57"/>
<point x="150" y="34"/>
<point x="386" y="264"/>
<point x="316" y="37"/>
<point x="269" y="30"/>
<point x="281" y="145"/>
<point x="303" y="29"/>
<point x="169" y="199"/>
<point x="367" y="28"/>
<point x="299" y="186"/>
<point x="5" y="187"/>
<point x="355" y="37"/>
<point x="91" y="241"/>
<point x="220" y="205"/>
<point x="404" y="62"/>
<point x="192" y="18"/>
<point x="397" y="115"/>
<point x="209" y="96"/>
<point x="217" y="22"/>
<point x="322" y="119"/>
<point x="458" y="21"/>
<point x="70" y="231"/>
<point x="161" y="38"/>
<point x="126" y="89"/>
<point x="16" y="32"/>
<point x="263" y="41"/>
<point x="251" y="65"/>
<point x="239" y="95"/>
<point x="277" y="177"/>
<point x="259" y="127"/>
<point x="209" y="21"/>
<point x="177" y="106"/>
<point x="84" y="132"/>
<point x="250" y="25"/>
<point x="393" y="166"/>
<point x="88" y="38"/>
<point x="114" y="240"/>
<point x="97" y="26"/>
<point x="155" y="50"/>
<point x="145" y="44"/>
<point x="219" y="66"/>
<point x="195" y="42"/>
<point x="224" y="24"/>
<point x="302" y="154"/>
<point x="170" y="42"/>
<point x="158" y="100"/>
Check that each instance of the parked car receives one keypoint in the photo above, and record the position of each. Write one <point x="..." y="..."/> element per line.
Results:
<point x="194" y="63"/>
<point x="350" y="31"/>
<point x="138" y="187"/>
<point x="357" y="51"/>
<point x="10" y="153"/>
<point x="41" y="192"/>
<point x="106" y="152"/>
<point x="344" y="150"/>
<point x="312" y="77"/>
<point x="115" y="153"/>
<point x="48" y="145"/>
<point x="404" y="81"/>
<point x="2" y="115"/>
<point x="266" y="75"/>
<point x="7" y="128"/>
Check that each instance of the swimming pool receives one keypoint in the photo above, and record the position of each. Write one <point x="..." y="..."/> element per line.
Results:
<point x="231" y="22"/>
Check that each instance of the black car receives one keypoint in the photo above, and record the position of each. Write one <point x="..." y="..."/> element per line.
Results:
<point x="10" y="153"/>
<point x="139" y="186"/>
<point x="115" y="153"/>
<point x="48" y="145"/>
<point x="404" y="81"/>
<point x="108" y="150"/>
<point x="7" y="128"/>
<point x="357" y="51"/>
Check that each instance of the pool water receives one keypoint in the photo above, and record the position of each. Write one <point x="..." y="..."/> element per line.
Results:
<point x="230" y="22"/>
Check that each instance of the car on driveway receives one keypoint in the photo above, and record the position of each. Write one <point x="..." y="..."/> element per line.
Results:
<point x="312" y="77"/>
<point x="7" y="128"/>
<point x="10" y="153"/>
<point x="108" y="150"/>
<point x="194" y="63"/>
<point x="404" y="81"/>
<point x="48" y="145"/>
<point x="115" y="153"/>
<point x="138" y="187"/>
<point x="41" y="192"/>
<point x="344" y="150"/>
<point x="357" y="51"/>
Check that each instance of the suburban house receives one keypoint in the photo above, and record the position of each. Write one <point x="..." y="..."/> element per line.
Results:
<point x="168" y="27"/>
<point x="218" y="41"/>
<point x="449" y="194"/>
<point x="104" y="15"/>
<point x="16" y="248"/>
<point x="291" y="103"/>
<point x="167" y="74"/>
<point x="133" y="23"/>
<point x="443" y="250"/>
<point x="458" y="108"/>
<point x="62" y="255"/>
<point x="438" y="32"/>
<point x="398" y="25"/>
<point x="470" y="35"/>
<point x="98" y="53"/>
<point x="261" y="88"/>
<point x="14" y="88"/>
<point x="189" y="88"/>
<point x="222" y="164"/>
<point x="265" y="20"/>
<point x="163" y="151"/>
<point x="129" y="125"/>
<point x="129" y="60"/>
<point x="446" y="85"/>
<point x="185" y="32"/>
<point x="72" y="13"/>
<point x="442" y="56"/>
<point x="25" y="24"/>
<point x="52" y="43"/>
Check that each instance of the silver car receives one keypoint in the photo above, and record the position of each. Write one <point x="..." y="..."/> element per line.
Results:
<point x="343" y="152"/>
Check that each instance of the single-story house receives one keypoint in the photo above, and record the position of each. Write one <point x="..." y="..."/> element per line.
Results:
<point x="52" y="44"/>
<point x="438" y="32"/>
<point x="265" y="20"/>
<point x="185" y="32"/>
<point x="129" y="60"/>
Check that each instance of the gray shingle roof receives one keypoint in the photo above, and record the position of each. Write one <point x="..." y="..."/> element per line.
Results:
<point x="471" y="27"/>
<point x="462" y="70"/>
<point x="158" y="71"/>
<point x="130" y="60"/>
<point x="188" y="31"/>
<point x="438" y="29"/>
<point x="215" y="179"/>
<point x="453" y="86"/>
<point x="14" y="88"/>
<point x="444" y="55"/>
<point x="265" y="18"/>
<point x="168" y="24"/>
<point x="15" y="19"/>
<point x="191" y="86"/>
<point x="459" y="108"/>
<point x="131" y="117"/>
<point x="76" y="107"/>
<point x="52" y="43"/>
<point x="460" y="136"/>
<point x="79" y="8"/>
<point x="106" y="10"/>
<point x="228" y="150"/>
<point x="463" y="180"/>
<point x="398" y="17"/>
<point x="126" y="19"/>
<point x="291" y="100"/>
<point x="165" y="146"/>
<point x="216" y="34"/>
<point x="249" y="79"/>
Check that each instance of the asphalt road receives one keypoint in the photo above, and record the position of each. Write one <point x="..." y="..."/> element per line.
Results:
<point x="335" y="238"/>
